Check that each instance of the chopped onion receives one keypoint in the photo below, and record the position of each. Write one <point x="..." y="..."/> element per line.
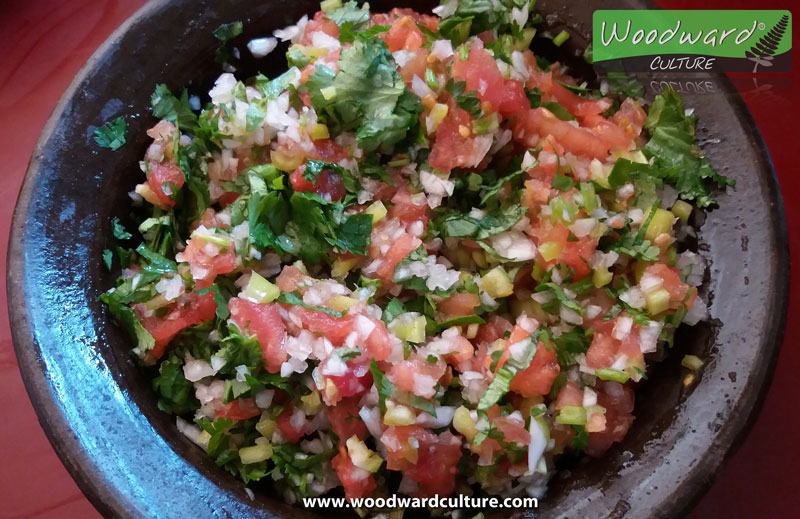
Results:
<point x="698" y="312"/>
<point x="419" y="87"/>
<point x="443" y="418"/>
<point x="260" y="47"/>
<point x="514" y="245"/>
<point x="263" y="398"/>
<point x="194" y="370"/>
<point x="402" y="57"/>
<point x="322" y="40"/>
<point x="372" y="419"/>
<point x="622" y="328"/>
<point x="583" y="226"/>
<point x="635" y="297"/>
<point x="442" y="49"/>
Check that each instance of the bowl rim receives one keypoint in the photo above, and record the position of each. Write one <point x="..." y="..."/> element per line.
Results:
<point x="108" y="501"/>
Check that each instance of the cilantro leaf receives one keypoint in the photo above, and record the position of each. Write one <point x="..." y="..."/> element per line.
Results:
<point x="469" y="101"/>
<point x="314" y="169"/>
<point x="222" y="311"/>
<point x="108" y="258"/>
<point x="392" y="309"/>
<point x="569" y="344"/>
<point x="166" y="106"/>
<point x="353" y="234"/>
<point x="217" y="429"/>
<point x="224" y="33"/>
<point x="501" y="383"/>
<point x="560" y="296"/>
<point x="367" y="95"/>
<point x="175" y="393"/>
<point x="462" y="225"/>
<point x="239" y="350"/>
<point x="562" y="182"/>
<point x="347" y="34"/>
<point x="673" y="146"/>
<point x="119" y="230"/>
<point x="492" y="190"/>
<point x="111" y="135"/>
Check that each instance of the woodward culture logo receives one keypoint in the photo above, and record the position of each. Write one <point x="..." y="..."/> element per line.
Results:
<point x="692" y="41"/>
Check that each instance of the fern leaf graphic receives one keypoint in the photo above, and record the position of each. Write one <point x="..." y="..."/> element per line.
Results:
<point x="762" y="52"/>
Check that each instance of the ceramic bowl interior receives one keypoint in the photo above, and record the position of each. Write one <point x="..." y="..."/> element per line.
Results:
<point x="100" y="412"/>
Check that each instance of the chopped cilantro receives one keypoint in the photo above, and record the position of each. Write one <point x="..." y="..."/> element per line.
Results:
<point x="111" y="135"/>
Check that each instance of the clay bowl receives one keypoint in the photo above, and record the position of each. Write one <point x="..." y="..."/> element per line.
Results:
<point x="99" y="410"/>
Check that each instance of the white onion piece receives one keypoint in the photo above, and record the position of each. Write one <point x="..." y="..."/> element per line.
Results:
<point x="536" y="446"/>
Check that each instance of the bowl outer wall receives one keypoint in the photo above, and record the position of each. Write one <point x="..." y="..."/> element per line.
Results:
<point x="127" y="457"/>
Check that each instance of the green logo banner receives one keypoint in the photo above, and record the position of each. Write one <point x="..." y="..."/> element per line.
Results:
<point x="692" y="41"/>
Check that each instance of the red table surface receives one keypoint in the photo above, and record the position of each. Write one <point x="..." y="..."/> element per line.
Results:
<point x="45" y="42"/>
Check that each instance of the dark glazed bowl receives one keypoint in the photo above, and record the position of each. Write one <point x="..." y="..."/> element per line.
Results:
<point x="99" y="411"/>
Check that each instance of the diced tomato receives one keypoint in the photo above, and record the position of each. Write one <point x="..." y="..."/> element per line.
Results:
<point x="227" y="198"/>
<point x="576" y="254"/>
<point x="345" y="420"/>
<point x="292" y="279"/>
<point x="602" y="351"/>
<point x="289" y="431"/>
<point x="426" y="20"/>
<point x="513" y="100"/>
<point x="481" y="74"/>
<point x="494" y="329"/>
<point x="263" y="321"/>
<point x="671" y="282"/>
<point x="462" y="352"/>
<point x="417" y="375"/>
<point x="336" y="330"/>
<point x="328" y="151"/>
<point x="378" y="344"/>
<point x="327" y="185"/>
<point x="605" y="302"/>
<point x="402" y="454"/>
<point x="569" y="396"/>
<point x="545" y="81"/>
<point x="536" y="194"/>
<point x="611" y="134"/>
<point x="203" y="265"/>
<point x="409" y="208"/>
<point x="459" y="304"/>
<point x="450" y="149"/>
<point x="357" y="482"/>
<point x="385" y="191"/>
<point x="196" y="309"/>
<point x="519" y="333"/>
<point x="239" y="409"/>
<point x="320" y="23"/>
<point x="436" y="466"/>
<point x="355" y="382"/>
<point x="618" y="400"/>
<point x="537" y="379"/>
<point x="536" y="123"/>
<point x="630" y="117"/>
<point x="404" y="245"/>
<point x="512" y="430"/>
<point x="404" y="35"/>
<point x="161" y="173"/>
<point x="415" y="66"/>
<point x="605" y="349"/>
